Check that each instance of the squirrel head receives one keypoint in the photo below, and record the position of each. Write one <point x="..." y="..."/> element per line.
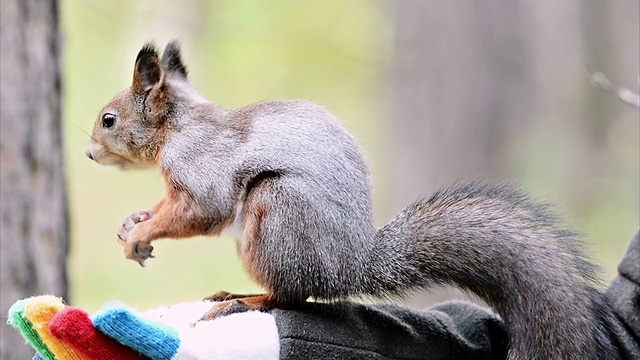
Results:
<point x="131" y="128"/>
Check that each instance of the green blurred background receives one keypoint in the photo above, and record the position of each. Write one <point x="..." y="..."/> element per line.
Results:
<point x="345" y="55"/>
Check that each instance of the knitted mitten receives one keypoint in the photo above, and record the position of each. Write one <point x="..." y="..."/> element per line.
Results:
<point x="173" y="333"/>
<point x="18" y="321"/>
<point x="39" y="311"/>
<point x="74" y="327"/>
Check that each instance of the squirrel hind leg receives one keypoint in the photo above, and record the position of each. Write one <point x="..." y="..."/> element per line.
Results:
<point x="297" y="248"/>
<point x="242" y="304"/>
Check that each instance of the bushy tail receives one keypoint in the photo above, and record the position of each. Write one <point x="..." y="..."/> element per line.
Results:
<point x="494" y="241"/>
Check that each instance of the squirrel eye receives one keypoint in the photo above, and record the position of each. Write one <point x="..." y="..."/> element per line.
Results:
<point x="108" y="120"/>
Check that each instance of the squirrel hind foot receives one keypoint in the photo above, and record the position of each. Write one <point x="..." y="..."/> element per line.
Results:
<point x="239" y="305"/>
<point x="225" y="296"/>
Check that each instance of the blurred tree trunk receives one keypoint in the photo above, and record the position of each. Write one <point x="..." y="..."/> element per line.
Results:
<point x="187" y="20"/>
<point x="458" y="81"/>
<point x="34" y="224"/>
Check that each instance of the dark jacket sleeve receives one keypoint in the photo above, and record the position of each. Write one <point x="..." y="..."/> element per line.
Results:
<point x="452" y="330"/>
<point x="623" y="295"/>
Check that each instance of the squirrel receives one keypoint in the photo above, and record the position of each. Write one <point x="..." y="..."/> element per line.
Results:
<point x="287" y="180"/>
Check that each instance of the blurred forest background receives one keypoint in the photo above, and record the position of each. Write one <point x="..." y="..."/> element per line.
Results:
<point x="436" y="91"/>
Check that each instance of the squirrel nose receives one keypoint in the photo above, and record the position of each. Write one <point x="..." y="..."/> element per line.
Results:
<point x="88" y="153"/>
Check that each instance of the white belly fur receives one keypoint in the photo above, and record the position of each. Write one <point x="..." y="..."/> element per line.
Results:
<point x="236" y="228"/>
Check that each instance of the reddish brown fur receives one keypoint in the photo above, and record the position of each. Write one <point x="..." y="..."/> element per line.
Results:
<point x="225" y="296"/>
<point x="173" y="217"/>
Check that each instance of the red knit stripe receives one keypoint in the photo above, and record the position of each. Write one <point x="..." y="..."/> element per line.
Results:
<point x="74" y="327"/>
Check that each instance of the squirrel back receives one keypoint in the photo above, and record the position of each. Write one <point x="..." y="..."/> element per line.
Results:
<point x="288" y="181"/>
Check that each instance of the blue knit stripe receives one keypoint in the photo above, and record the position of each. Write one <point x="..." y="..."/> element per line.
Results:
<point x="152" y="339"/>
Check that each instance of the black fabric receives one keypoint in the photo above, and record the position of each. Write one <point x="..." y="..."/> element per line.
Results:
<point x="451" y="330"/>
<point x="624" y="297"/>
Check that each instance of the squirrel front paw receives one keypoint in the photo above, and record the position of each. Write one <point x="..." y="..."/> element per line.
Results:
<point x="124" y="233"/>
<point x="138" y="251"/>
<point x="133" y="248"/>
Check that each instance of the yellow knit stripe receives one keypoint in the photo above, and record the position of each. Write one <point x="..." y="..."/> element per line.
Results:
<point x="40" y="310"/>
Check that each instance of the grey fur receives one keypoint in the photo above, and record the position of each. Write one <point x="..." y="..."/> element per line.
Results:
<point x="299" y="165"/>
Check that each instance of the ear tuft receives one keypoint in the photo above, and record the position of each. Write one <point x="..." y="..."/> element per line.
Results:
<point x="147" y="70"/>
<point x="148" y="51"/>
<point x="171" y="60"/>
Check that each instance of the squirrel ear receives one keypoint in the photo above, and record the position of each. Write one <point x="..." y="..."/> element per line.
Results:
<point x="171" y="60"/>
<point x="147" y="71"/>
